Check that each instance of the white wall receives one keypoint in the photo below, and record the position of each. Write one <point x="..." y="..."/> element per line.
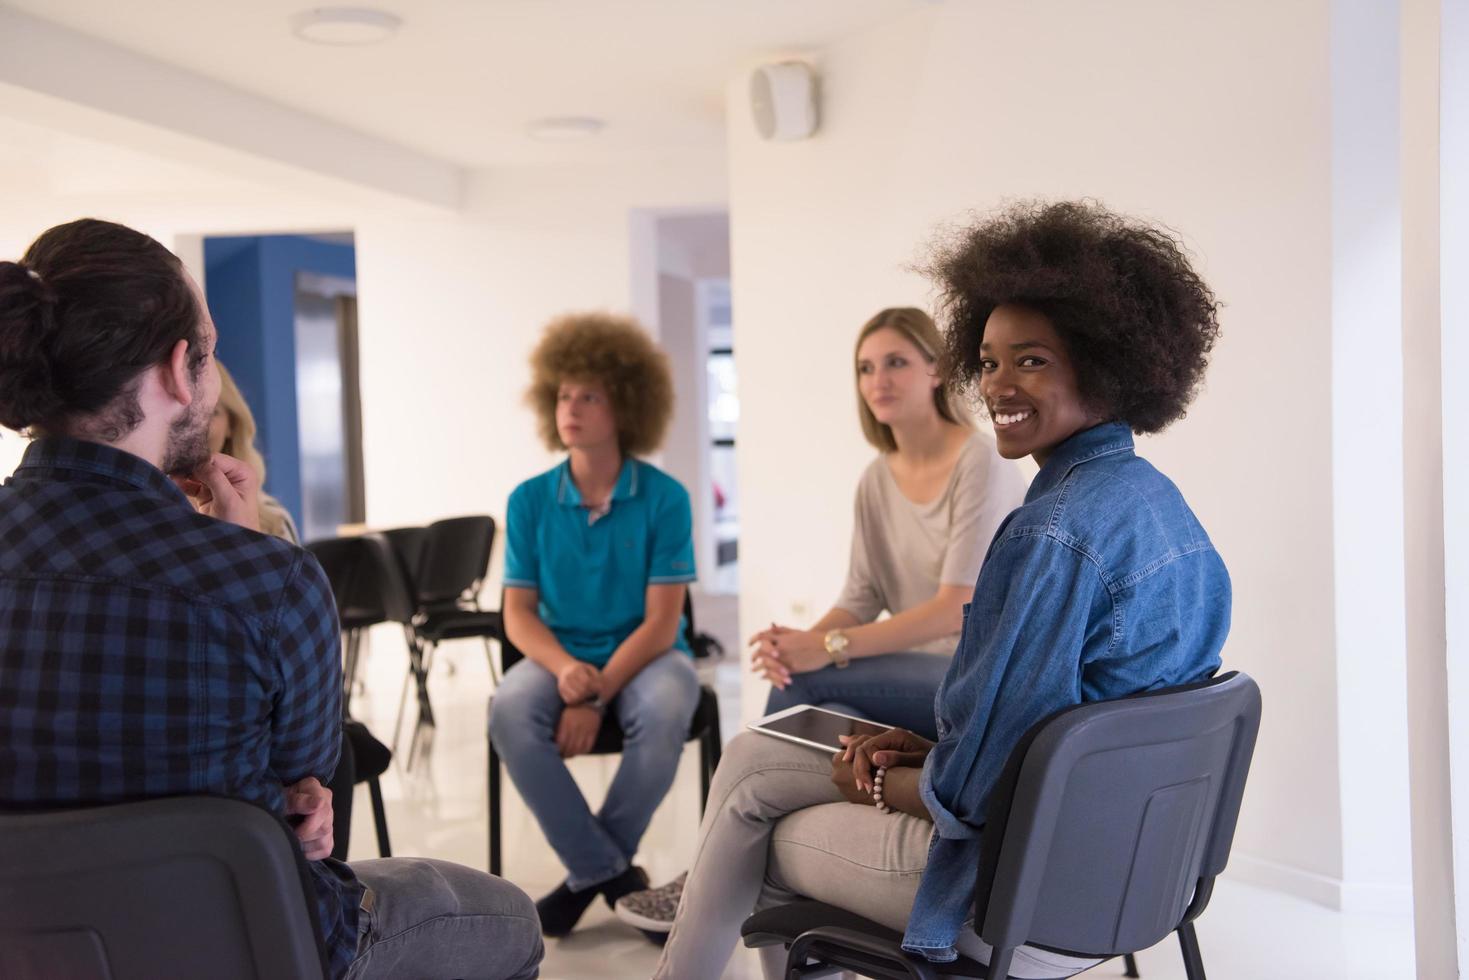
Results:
<point x="451" y="306"/>
<point x="1212" y="118"/>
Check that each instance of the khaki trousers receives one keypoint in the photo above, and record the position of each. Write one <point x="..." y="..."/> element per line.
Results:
<point x="778" y="830"/>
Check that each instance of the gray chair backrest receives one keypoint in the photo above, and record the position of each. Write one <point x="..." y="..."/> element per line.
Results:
<point x="1112" y="815"/>
<point x="181" y="887"/>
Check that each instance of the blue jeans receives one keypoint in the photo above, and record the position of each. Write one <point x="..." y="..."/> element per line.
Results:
<point x="892" y="688"/>
<point x="429" y="918"/>
<point x="654" y="710"/>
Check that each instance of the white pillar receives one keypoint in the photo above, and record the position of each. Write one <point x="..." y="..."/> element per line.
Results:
<point x="1454" y="307"/>
<point x="1367" y="455"/>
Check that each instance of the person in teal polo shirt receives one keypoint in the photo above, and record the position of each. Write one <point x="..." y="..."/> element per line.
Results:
<point x="599" y="551"/>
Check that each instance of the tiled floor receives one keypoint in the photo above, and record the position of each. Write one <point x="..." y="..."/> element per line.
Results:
<point x="439" y="809"/>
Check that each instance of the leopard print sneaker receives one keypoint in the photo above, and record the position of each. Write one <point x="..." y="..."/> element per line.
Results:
<point x="652" y="910"/>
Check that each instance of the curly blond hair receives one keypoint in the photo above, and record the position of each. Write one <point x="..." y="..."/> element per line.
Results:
<point x="615" y="352"/>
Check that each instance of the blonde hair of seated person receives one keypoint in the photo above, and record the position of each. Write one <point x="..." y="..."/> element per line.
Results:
<point x="235" y="436"/>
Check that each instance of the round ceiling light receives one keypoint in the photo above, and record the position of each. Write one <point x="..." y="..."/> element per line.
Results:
<point x="345" y="26"/>
<point x="564" y="129"/>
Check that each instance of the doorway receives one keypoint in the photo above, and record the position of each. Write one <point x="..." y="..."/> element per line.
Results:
<point x="681" y="291"/>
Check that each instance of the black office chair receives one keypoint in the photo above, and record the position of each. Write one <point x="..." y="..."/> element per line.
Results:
<point x="1105" y="833"/>
<point x="182" y="887"/>
<point x="369" y="587"/>
<point x="363" y="760"/>
<point x="444" y="566"/>
<point x="704" y="728"/>
<point x="456" y="558"/>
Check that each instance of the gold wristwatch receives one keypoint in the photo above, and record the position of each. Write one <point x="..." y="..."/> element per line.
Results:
<point x="836" y="647"/>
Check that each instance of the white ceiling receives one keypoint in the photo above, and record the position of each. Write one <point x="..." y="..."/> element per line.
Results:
<point x="46" y="163"/>
<point x="463" y="77"/>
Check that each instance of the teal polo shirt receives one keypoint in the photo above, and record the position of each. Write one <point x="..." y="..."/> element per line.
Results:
<point x="592" y="576"/>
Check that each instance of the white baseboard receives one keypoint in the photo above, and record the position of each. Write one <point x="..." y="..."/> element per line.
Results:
<point x="1373" y="899"/>
<point x="1321" y="889"/>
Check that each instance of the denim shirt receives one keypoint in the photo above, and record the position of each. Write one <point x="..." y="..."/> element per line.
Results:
<point x="1102" y="584"/>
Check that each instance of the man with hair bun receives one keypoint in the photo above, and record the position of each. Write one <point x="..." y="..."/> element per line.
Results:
<point x="148" y="649"/>
<point x="599" y="551"/>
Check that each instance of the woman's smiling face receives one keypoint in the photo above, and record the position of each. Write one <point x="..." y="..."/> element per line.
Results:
<point x="1028" y="384"/>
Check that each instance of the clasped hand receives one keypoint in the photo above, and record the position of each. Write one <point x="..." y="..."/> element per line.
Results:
<point x="576" y="732"/>
<point x="855" y="767"/>
<point x="781" y="651"/>
<point x="312" y="802"/>
<point x="578" y="681"/>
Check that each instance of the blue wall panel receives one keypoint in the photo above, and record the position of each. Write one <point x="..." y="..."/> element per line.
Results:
<point x="250" y="282"/>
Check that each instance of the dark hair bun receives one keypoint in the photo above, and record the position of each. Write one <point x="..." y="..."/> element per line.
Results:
<point x="27" y="329"/>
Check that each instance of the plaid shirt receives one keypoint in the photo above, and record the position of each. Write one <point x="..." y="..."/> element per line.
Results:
<point x="148" y="650"/>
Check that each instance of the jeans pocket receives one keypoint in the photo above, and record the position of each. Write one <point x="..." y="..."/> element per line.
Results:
<point x="366" y="919"/>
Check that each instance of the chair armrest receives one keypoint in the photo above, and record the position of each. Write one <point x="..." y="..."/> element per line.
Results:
<point x="848" y="949"/>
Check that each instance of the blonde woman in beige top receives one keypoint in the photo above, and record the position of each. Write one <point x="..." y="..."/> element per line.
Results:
<point x="926" y="510"/>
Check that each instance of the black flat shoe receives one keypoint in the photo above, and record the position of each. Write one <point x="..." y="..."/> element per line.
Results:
<point x="563" y="908"/>
<point x="634" y="879"/>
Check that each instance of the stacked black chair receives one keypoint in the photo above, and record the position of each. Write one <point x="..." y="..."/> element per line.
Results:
<point x="456" y="558"/>
<point x="370" y="587"/>
<point x="704" y="728"/>
<point x="1104" y="834"/>
<point x="343" y="561"/>
<point x="444" y="566"/>
<point x="447" y="563"/>
<point x="185" y="887"/>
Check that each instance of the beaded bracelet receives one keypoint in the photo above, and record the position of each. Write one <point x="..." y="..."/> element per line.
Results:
<point x="882" y="807"/>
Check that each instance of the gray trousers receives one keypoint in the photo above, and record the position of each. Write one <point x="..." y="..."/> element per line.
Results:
<point x="435" y="919"/>
<point x="778" y="830"/>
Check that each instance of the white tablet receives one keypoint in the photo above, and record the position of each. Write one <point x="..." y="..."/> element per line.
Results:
<point x="815" y="727"/>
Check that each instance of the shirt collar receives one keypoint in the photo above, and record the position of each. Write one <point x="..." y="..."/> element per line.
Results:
<point x="1106" y="439"/>
<point x="58" y="458"/>
<point x="567" y="495"/>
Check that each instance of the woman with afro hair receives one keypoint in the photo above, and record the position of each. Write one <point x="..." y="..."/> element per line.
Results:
<point x="599" y="551"/>
<point x="1075" y="327"/>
